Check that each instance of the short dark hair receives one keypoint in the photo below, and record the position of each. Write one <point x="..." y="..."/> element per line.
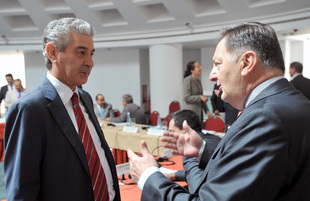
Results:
<point x="191" y="117"/>
<point x="257" y="37"/>
<point x="9" y="75"/>
<point x="297" y="66"/>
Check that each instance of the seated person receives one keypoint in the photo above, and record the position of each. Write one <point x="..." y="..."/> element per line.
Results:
<point x="193" y="172"/>
<point x="136" y="113"/>
<point x="102" y="109"/>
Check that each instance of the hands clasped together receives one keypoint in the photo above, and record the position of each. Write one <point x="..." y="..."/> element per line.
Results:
<point x="186" y="143"/>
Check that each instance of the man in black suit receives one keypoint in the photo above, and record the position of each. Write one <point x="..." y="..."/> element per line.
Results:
<point x="301" y="83"/>
<point x="265" y="153"/>
<point x="6" y="88"/>
<point x="48" y="152"/>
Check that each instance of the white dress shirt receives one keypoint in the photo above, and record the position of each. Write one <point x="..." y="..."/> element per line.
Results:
<point x="65" y="94"/>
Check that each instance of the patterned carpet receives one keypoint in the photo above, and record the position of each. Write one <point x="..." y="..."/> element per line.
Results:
<point x="2" y="189"/>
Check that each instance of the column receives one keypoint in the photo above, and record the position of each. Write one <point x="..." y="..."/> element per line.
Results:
<point x="166" y="76"/>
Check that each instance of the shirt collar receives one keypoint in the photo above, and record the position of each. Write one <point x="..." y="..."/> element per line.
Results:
<point x="64" y="92"/>
<point x="295" y="75"/>
<point x="260" y="88"/>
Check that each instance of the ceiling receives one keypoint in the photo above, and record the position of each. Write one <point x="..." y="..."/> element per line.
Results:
<point x="139" y="23"/>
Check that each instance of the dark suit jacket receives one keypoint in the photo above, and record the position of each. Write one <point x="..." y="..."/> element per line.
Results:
<point x="302" y="84"/>
<point x="132" y="109"/>
<point x="45" y="159"/>
<point x="263" y="156"/>
<point x="192" y="173"/>
<point x="216" y="101"/>
<point x="3" y="91"/>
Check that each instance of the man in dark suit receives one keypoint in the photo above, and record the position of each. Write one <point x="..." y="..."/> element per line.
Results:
<point x="301" y="83"/>
<point x="45" y="155"/>
<point x="265" y="153"/>
<point x="6" y="88"/>
<point x="102" y="109"/>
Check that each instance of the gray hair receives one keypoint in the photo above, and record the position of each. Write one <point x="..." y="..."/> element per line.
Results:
<point x="257" y="37"/>
<point x="57" y="32"/>
<point x="127" y="98"/>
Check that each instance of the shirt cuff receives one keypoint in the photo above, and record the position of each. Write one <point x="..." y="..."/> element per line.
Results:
<point x="145" y="175"/>
<point x="201" y="150"/>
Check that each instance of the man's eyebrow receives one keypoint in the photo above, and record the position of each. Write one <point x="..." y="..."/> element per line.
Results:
<point x="84" y="48"/>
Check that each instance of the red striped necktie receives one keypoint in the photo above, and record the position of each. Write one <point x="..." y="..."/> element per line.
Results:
<point x="98" y="179"/>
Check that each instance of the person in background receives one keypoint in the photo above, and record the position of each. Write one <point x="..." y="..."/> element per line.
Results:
<point x="231" y="113"/>
<point x="193" y="98"/>
<point x="102" y="109"/>
<point x="54" y="146"/>
<point x="13" y="95"/>
<point x="6" y="88"/>
<point x="265" y="153"/>
<point x="136" y="113"/>
<point x="301" y="83"/>
<point x="216" y="101"/>
<point x="191" y="173"/>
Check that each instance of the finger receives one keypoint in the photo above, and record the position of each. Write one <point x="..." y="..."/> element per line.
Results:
<point x="143" y="147"/>
<point x="131" y="155"/>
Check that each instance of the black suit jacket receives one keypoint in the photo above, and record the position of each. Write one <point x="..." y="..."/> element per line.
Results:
<point x="302" y="84"/>
<point x="263" y="156"/>
<point x="4" y="89"/>
<point x="45" y="159"/>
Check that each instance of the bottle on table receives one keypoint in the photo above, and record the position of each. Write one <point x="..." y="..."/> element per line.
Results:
<point x="159" y="123"/>
<point x="128" y="120"/>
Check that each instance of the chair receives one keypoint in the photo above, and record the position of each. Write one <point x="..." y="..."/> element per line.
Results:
<point x="153" y="118"/>
<point x="165" y="121"/>
<point x="174" y="106"/>
<point x="116" y="112"/>
<point x="215" y="124"/>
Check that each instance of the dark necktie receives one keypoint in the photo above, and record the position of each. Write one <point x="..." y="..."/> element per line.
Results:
<point x="98" y="179"/>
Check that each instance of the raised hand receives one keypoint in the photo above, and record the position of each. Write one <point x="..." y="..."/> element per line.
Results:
<point x="139" y="164"/>
<point x="186" y="143"/>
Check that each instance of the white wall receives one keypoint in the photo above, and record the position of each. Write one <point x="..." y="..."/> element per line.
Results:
<point x="116" y="72"/>
<point x="35" y="69"/>
<point x="207" y="64"/>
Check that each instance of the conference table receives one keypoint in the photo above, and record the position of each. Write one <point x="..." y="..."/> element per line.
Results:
<point x="117" y="138"/>
<point x="132" y="192"/>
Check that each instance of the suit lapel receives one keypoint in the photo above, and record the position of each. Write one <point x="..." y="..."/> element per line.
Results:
<point x="63" y="120"/>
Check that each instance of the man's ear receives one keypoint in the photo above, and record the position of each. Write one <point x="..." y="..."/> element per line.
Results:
<point x="248" y="62"/>
<point x="51" y="51"/>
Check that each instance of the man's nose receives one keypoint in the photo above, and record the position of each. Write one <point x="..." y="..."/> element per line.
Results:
<point x="213" y="74"/>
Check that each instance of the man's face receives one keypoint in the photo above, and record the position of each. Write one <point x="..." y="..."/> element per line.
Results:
<point x="73" y="66"/>
<point x="100" y="100"/>
<point x="292" y="71"/>
<point x="227" y="72"/>
<point x="9" y="79"/>
<point x="18" y="85"/>
<point x="172" y="127"/>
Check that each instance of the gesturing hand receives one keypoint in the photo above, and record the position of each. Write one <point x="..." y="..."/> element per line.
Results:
<point x="139" y="164"/>
<point x="186" y="144"/>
